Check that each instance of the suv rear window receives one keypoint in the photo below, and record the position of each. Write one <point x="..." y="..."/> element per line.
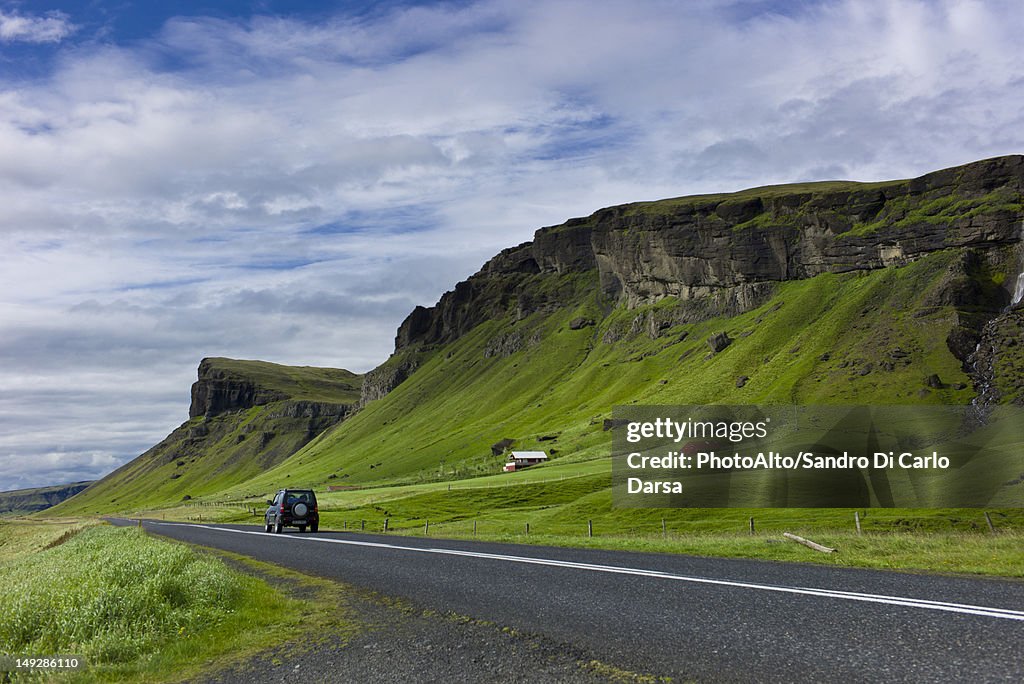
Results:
<point x="293" y="495"/>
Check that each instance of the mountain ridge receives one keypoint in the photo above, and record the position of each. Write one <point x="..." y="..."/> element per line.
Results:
<point x="825" y="292"/>
<point x="731" y="248"/>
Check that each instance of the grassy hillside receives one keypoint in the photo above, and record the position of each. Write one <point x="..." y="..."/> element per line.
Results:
<point x="821" y="340"/>
<point x="208" y="453"/>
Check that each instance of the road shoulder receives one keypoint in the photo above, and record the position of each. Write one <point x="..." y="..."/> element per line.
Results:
<point x="361" y="636"/>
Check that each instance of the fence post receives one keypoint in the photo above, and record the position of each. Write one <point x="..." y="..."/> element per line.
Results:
<point x="664" y="530"/>
<point x="474" y="528"/>
<point x="362" y="525"/>
<point x="386" y="524"/>
<point x="590" y="528"/>
<point x="751" y="524"/>
<point x="527" y="529"/>
<point x="426" y="527"/>
<point x="988" y="519"/>
<point x="856" y="520"/>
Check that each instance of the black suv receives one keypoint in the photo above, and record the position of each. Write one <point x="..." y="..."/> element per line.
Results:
<point x="293" y="508"/>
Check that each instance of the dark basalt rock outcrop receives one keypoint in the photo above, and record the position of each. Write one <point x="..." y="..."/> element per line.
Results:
<point x="997" y="363"/>
<point x="692" y="249"/>
<point x="313" y="410"/>
<point x="386" y="377"/>
<point x="219" y="391"/>
<point x="503" y="281"/>
<point x="225" y="387"/>
<point x="719" y="341"/>
<point x="501" y="446"/>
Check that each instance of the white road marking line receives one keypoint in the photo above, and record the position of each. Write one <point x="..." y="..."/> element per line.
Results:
<point x="965" y="609"/>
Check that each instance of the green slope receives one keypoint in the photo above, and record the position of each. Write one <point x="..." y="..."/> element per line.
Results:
<point x="210" y="452"/>
<point x="441" y="422"/>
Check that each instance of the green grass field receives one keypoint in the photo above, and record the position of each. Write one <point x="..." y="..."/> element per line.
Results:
<point x="563" y="503"/>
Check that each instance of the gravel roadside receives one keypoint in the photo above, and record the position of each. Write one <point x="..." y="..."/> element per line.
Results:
<point x="397" y="642"/>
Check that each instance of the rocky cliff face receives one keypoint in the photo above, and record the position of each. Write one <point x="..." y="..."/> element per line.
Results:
<point x="692" y="249"/>
<point x="225" y="386"/>
<point x="218" y="391"/>
<point x="997" y="361"/>
<point x="386" y="377"/>
<point x="721" y="254"/>
<point x="726" y="245"/>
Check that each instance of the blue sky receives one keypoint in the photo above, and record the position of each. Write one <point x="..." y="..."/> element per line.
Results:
<point x="287" y="180"/>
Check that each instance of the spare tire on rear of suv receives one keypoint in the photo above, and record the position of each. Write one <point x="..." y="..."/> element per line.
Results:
<point x="300" y="509"/>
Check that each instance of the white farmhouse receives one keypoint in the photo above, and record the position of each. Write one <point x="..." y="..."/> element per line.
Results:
<point x="518" y="460"/>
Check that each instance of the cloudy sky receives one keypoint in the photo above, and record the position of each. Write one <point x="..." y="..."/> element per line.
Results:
<point x="285" y="180"/>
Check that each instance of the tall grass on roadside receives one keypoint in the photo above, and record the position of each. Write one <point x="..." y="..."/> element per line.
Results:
<point x="114" y="595"/>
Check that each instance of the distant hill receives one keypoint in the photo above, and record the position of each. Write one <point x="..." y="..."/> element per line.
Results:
<point x="245" y="418"/>
<point x="25" y="501"/>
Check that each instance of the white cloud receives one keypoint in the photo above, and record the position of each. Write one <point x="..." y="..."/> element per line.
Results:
<point x="51" y="28"/>
<point x="282" y="190"/>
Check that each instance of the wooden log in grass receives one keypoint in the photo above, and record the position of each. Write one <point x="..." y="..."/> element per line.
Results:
<point x="808" y="543"/>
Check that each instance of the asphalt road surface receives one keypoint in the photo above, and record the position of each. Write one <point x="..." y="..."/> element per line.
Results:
<point x="689" y="618"/>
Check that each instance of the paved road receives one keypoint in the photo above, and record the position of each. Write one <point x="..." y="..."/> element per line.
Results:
<point x="689" y="618"/>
